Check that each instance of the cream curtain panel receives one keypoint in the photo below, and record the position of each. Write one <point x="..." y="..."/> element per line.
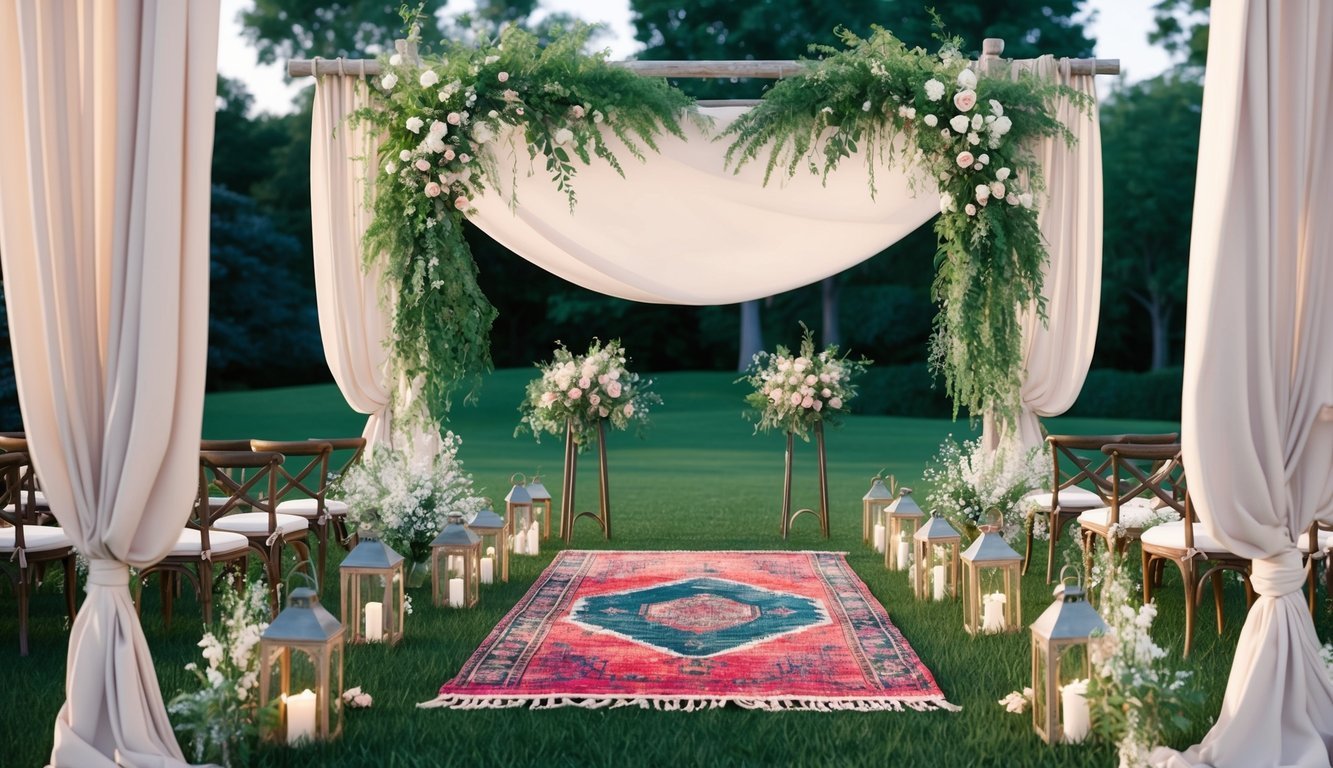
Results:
<point x="1057" y="353"/>
<point x="1259" y="362"/>
<point x="106" y="151"/>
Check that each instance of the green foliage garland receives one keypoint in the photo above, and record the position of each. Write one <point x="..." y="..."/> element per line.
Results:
<point x="972" y="135"/>
<point x="441" y="118"/>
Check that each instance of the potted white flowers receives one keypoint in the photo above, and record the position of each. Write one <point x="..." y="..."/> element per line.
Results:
<point x="967" y="481"/>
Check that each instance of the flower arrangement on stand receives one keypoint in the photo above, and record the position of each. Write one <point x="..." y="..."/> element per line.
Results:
<point x="406" y="499"/>
<point x="967" y="481"/>
<point x="793" y="392"/>
<point x="221" y="720"/>
<point x="583" y="390"/>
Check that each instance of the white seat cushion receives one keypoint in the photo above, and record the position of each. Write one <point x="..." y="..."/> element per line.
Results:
<point x="308" y="507"/>
<point x="189" y="543"/>
<point x="1325" y="541"/>
<point x="1070" y="498"/>
<point x="36" y="538"/>
<point x="1133" y="514"/>
<point x="1173" y="535"/>
<point x="254" y="523"/>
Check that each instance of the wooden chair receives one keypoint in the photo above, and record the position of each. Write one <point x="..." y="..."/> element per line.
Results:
<point x="249" y="481"/>
<point x="25" y="546"/>
<point x="35" y="500"/>
<point x="1140" y="474"/>
<point x="303" y="479"/>
<point x="1186" y="544"/>
<point x="1316" y="546"/>
<point x="347" y="451"/>
<point x="1078" y="483"/>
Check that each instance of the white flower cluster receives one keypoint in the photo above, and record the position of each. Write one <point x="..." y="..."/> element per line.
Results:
<point x="967" y="481"/>
<point x="967" y="130"/>
<point x="585" y="389"/>
<point x="355" y="698"/>
<point x="406" y="498"/>
<point x="793" y="391"/>
<point x="1017" y="702"/>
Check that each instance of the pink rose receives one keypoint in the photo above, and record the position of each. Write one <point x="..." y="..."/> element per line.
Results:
<point x="454" y="118"/>
<point x="549" y="398"/>
<point x="796" y="398"/>
<point x="432" y="189"/>
<point x="585" y="382"/>
<point x="593" y="399"/>
<point x="613" y="388"/>
<point x="602" y="379"/>
<point x="629" y="409"/>
<point x="970" y="209"/>
<point x="422" y="165"/>
<point x="808" y="402"/>
<point x="964" y="100"/>
<point x="577" y="111"/>
<point x="575" y="393"/>
<point x="502" y="77"/>
<point x="774" y="395"/>
<point x="826" y="392"/>
<point x="965" y="159"/>
<point x="811" y="379"/>
<point x="835" y="402"/>
<point x="461" y="203"/>
<point x="818" y="406"/>
<point x="510" y="95"/>
<point x="448" y="155"/>
<point x="997" y="189"/>
<point x="603" y="412"/>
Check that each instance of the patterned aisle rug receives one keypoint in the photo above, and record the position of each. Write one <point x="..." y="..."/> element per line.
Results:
<point x="694" y="630"/>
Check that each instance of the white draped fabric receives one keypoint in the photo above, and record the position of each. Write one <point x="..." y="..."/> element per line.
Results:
<point x="1057" y="353"/>
<point x="106" y="149"/>
<point x="1259" y="362"/>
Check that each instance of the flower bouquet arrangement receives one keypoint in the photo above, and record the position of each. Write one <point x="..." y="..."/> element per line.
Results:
<point x="967" y="481"/>
<point x="794" y="392"/>
<point x="221" y="720"/>
<point x="586" y="389"/>
<point x="406" y="499"/>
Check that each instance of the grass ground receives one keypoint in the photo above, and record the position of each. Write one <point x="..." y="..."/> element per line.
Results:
<point x="700" y="480"/>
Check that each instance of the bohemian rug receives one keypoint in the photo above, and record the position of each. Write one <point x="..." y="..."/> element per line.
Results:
<point x="695" y="630"/>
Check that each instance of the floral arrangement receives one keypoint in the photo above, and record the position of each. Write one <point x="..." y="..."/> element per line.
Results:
<point x="794" y="392"/>
<point x="221" y="719"/>
<point x="447" y="120"/>
<point x="969" y="132"/>
<point x="406" y="499"/>
<point x="967" y="481"/>
<point x="584" y="390"/>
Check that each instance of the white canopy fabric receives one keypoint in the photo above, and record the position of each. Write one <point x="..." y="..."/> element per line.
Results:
<point x="106" y="148"/>
<point x="1259" y="362"/>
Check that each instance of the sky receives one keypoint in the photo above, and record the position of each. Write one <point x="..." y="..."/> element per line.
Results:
<point x="1121" y="30"/>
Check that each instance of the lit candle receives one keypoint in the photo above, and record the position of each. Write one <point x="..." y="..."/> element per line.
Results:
<point x="490" y="551"/>
<point x="904" y="551"/>
<point x="301" y="716"/>
<point x="374" y="622"/>
<point x="879" y="537"/>
<point x="534" y="540"/>
<point x="455" y="593"/>
<point x="1076" y="719"/>
<point x="937" y="581"/>
<point x="911" y="575"/>
<point x="992" y="619"/>
<point x="488" y="570"/>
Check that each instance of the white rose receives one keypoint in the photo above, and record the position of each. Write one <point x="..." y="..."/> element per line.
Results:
<point x="930" y="120"/>
<point x="971" y="209"/>
<point x="983" y="193"/>
<point x="997" y="189"/>
<point x="946" y="202"/>
<point x="390" y="168"/>
<point x="995" y="108"/>
<point x="414" y="124"/>
<point x="977" y="122"/>
<point x="934" y="89"/>
<point x="396" y="60"/>
<point x="404" y="155"/>
<point x="973" y="138"/>
<point x="967" y="79"/>
<point x="389" y="81"/>
<point x="437" y="129"/>
<point x="1011" y="199"/>
<point x="984" y="159"/>
<point x="1025" y="199"/>
<point x="865" y="107"/>
<point x="959" y="123"/>
<point x="1002" y="174"/>
<point x="428" y="78"/>
<point x="1001" y="126"/>
<point x="563" y="136"/>
<point x="435" y="144"/>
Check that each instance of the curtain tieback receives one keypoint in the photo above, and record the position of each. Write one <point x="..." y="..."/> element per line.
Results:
<point x="206" y="555"/>
<point x="21" y="556"/>
<point x="1192" y="553"/>
<point x="1278" y="575"/>
<point x="272" y="538"/>
<point x="108" y="573"/>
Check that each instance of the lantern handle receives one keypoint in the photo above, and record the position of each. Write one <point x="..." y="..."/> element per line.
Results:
<point x="994" y="521"/>
<point x="523" y="481"/>
<point x="1077" y="577"/>
<point x="306" y="574"/>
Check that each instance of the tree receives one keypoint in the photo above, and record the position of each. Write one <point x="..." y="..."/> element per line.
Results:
<point x="1182" y="29"/>
<point x="1150" y="147"/>
<point x="287" y="29"/>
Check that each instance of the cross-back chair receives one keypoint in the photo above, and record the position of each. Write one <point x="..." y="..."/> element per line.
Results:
<point x="36" y="505"/>
<point x="303" y="479"/>
<point x="1145" y="478"/>
<point x="25" y="546"/>
<point x="347" y="451"/>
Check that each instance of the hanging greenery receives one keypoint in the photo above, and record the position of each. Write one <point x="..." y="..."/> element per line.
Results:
<point x="972" y="137"/>
<point x="440" y="118"/>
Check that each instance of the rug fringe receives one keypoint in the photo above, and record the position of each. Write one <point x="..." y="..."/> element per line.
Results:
<point x="686" y="704"/>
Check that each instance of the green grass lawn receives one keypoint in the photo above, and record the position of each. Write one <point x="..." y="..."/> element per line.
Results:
<point x="700" y="480"/>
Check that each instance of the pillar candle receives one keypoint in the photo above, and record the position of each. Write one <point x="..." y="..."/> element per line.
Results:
<point x="534" y="540"/>
<point x="879" y="537"/>
<point x="1075" y="720"/>
<point x="937" y="581"/>
<point x="455" y="593"/>
<point x="904" y="552"/>
<point x="490" y="551"/>
<point x="374" y="622"/>
<point x="520" y="542"/>
<point x="488" y="570"/>
<point x="301" y="716"/>
<point x="992" y="618"/>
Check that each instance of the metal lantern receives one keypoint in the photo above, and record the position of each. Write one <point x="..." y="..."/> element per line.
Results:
<point x="494" y="533"/>
<point x="455" y="564"/>
<point x="992" y="589"/>
<point x="541" y="504"/>
<point x="374" y="598"/>
<point x="301" y="665"/>
<point x="518" y="511"/>
<point x="872" y="512"/>
<point x="1062" y="638"/>
<point x="934" y="569"/>
<point x="904" y="518"/>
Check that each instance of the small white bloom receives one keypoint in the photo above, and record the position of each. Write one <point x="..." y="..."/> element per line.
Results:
<point x="404" y="155"/>
<point x="414" y="124"/>
<point x="934" y="89"/>
<point x="973" y="138"/>
<point x="907" y="112"/>
<point x="1002" y="173"/>
<point x="971" y="209"/>
<point x="984" y="159"/>
<point x="390" y="168"/>
<point x="389" y="81"/>
<point x="563" y="136"/>
<point x="997" y="189"/>
<point x="437" y="129"/>
<point x="492" y="114"/>
<point x="983" y="193"/>
<point x="967" y="79"/>
<point x="930" y="120"/>
<point x="396" y="60"/>
<point x="596" y="116"/>
<point x="995" y="108"/>
<point x="865" y="107"/>
<point x="1011" y="199"/>
<point x="946" y="203"/>
<point x="977" y="122"/>
<point x="1026" y="199"/>
<point x="1001" y="125"/>
<point x="428" y="78"/>
<point x="491" y="60"/>
<point x="959" y="123"/>
<point x="503" y="77"/>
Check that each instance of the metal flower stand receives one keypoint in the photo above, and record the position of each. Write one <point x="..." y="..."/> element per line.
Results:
<point x="567" y="514"/>
<point x="788" y="516"/>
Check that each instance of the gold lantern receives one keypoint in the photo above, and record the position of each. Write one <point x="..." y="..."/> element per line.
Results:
<point x="455" y="563"/>
<point x="904" y="517"/>
<point x="494" y="533"/>
<point x="518" y="511"/>
<point x="934" y="569"/>
<point x="541" y="504"/>
<point x="301" y="665"/>
<point x="991" y="584"/>
<point x="872" y="512"/>
<point x="1062" y="640"/>
<point x="374" y="600"/>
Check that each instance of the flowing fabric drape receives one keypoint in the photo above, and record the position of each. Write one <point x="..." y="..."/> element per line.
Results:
<point x="1259" y="362"/>
<point x="1057" y="352"/>
<point x="106" y="148"/>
